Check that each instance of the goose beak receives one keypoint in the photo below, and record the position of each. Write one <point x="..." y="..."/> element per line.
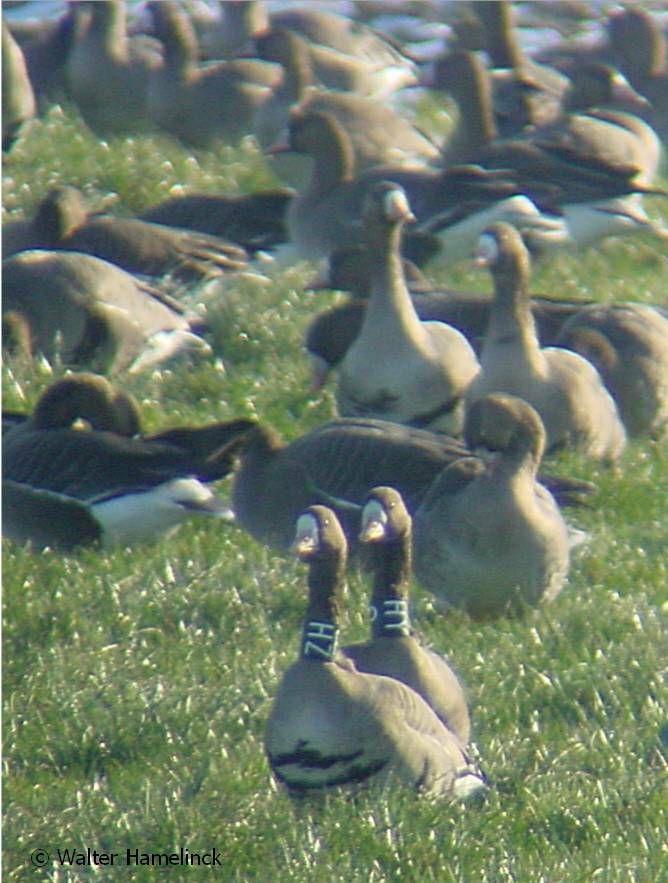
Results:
<point x="306" y="539"/>
<point x="374" y="523"/>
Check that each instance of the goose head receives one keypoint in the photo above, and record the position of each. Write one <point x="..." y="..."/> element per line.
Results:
<point x="59" y="214"/>
<point x="636" y="39"/>
<point x="318" y="534"/>
<point x="86" y="397"/>
<point x="505" y="427"/>
<point x="502" y="250"/>
<point x="384" y="516"/>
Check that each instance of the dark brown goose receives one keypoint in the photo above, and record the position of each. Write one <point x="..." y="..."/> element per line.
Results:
<point x="333" y="726"/>
<point x="62" y="221"/>
<point x="67" y="487"/>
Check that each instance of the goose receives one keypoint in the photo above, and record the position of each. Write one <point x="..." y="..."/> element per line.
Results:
<point x="86" y="311"/>
<point x="399" y="368"/>
<point x="106" y="71"/>
<point x="18" y="98"/>
<point x="379" y="135"/>
<point x="337" y="464"/>
<point x="254" y="220"/>
<point x="345" y="53"/>
<point x="564" y="388"/>
<point x="521" y="85"/>
<point x="67" y="487"/>
<point x="488" y="538"/>
<point x="333" y="726"/>
<point x="62" y="221"/>
<point x="628" y="345"/>
<point x="46" y="45"/>
<point x="201" y="105"/>
<point x="639" y="48"/>
<point x="393" y="650"/>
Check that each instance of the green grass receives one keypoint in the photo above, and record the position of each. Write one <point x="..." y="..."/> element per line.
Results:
<point x="136" y="683"/>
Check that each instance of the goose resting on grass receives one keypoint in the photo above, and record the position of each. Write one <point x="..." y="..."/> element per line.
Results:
<point x="333" y="726"/>
<point x="488" y="537"/>
<point x="393" y="650"/>
<point x="337" y="464"/>
<point x="400" y="368"/>
<point x="66" y="487"/>
<point x="565" y="389"/>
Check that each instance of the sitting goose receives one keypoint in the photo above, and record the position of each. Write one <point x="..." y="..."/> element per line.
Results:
<point x="628" y="345"/>
<point x="337" y="464"/>
<point x="400" y="368"/>
<point x="378" y="133"/>
<point x="67" y="487"/>
<point x="488" y="537"/>
<point x="63" y="222"/>
<point x="392" y="649"/>
<point x="202" y="104"/>
<point x="333" y="726"/>
<point x="564" y="388"/>
<point x="85" y="311"/>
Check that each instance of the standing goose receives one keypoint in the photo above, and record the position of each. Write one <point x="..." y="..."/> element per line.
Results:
<point x="378" y="133"/>
<point x="488" y="537"/>
<point x="86" y="311"/>
<point x="107" y="72"/>
<point x="564" y="388"/>
<point x="399" y="368"/>
<point x="202" y="104"/>
<point x="62" y="221"/>
<point x="337" y="464"/>
<point x="333" y="726"/>
<point x="67" y="487"/>
<point x="393" y="650"/>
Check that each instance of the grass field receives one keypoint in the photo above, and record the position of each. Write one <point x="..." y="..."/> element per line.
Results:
<point x="136" y="683"/>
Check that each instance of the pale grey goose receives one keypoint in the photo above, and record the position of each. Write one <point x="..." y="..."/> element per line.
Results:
<point x="202" y="104"/>
<point x="337" y="464"/>
<point x="18" y="98"/>
<point x="400" y="368"/>
<point x="333" y="726"/>
<point x="107" y="71"/>
<point x="86" y="311"/>
<point x="62" y="221"/>
<point x="379" y="135"/>
<point x="393" y="649"/>
<point x="628" y="344"/>
<point x="488" y="537"/>
<point x="66" y="487"/>
<point x="564" y="388"/>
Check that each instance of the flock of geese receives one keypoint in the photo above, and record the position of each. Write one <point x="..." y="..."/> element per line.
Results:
<point x="447" y="400"/>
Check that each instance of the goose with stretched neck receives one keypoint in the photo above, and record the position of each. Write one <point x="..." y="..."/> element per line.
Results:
<point x="67" y="487"/>
<point x="393" y="650"/>
<point x="564" y="388"/>
<point x="333" y="726"/>
<point x="400" y="368"/>
<point x="488" y="538"/>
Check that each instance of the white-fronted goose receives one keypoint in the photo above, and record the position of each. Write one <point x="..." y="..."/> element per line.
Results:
<point x="62" y="221"/>
<point x="639" y="48"/>
<point x="400" y="368"/>
<point x="252" y="220"/>
<point x="106" y="71"/>
<point x="337" y="464"/>
<point x="85" y="311"/>
<point x="202" y="104"/>
<point x="564" y="388"/>
<point x="333" y="726"/>
<point x="379" y="135"/>
<point x="628" y="345"/>
<point x="524" y="91"/>
<point x="393" y="650"/>
<point x="18" y="98"/>
<point x="67" y="487"/>
<point x="331" y="333"/>
<point x="488" y="537"/>
<point x="46" y="44"/>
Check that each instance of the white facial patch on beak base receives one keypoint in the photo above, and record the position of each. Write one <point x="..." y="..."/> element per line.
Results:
<point x="374" y="523"/>
<point x="487" y="250"/>
<point x="396" y="206"/>
<point x="307" y="535"/>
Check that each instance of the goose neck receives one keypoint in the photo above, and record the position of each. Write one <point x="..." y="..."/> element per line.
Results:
<point x="320" y="631"/>
<point x="389" y="601"/>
